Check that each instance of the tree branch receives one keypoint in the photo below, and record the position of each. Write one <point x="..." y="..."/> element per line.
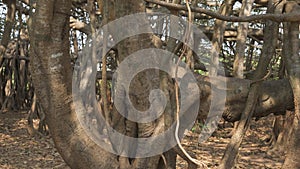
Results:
<point x="287" y="17"/>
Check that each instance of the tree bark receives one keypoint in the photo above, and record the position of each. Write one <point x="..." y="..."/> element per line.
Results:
<point x="10" y="17"/>
<point x="52" y="76"/>
<point x="218" y="37"/>
<point x="51" y="72"/>
<point x="271" y="30"/>
<point x="9" y="23"/>
<point x="292" y="60"/>
<point x="238" y="65"/>
<point x="139" y="92"/>
<point x="269" y="101"/>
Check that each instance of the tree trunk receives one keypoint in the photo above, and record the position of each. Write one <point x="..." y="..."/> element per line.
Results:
<point x="242" y="32"/>
<point x="51" y="70"/>
<point x="218" y="37"/>
<point x="9" y="23"/>
<point x="238" y="65"/>
<point x="292" y="60"/>
<point x="52" y="76"/>
<point x="281" y="133"/>
<point x="141" y="86"/>
<point x="271" y="30"/>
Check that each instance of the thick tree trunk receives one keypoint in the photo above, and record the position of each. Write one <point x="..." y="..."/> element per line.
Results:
<point x="141" y="86"/>
<point x="269" y="100"/>
<point x="52" y="76"/>
<point x="292" y="60"/>
<point x="51" y="72"/>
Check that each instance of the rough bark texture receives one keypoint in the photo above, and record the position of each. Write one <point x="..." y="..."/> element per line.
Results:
<point x="281" y="133"/>
<point x="292" y="58"/>
<point x="238" y="65"/>
<point x="51" y="72"/>
<point x="269" y="100"/>
<point x="218" y="37"/>
<point x="271" y="30"/>
<point x="140" y="88"/>
<point x="10" y="17"/>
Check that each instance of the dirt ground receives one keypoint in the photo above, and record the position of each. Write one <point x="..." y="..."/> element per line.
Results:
<point x="19" y="150"/>
<point x="254" y="152"/>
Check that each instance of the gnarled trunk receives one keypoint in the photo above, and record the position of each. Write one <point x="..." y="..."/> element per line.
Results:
<point x="52" y="76"/>
<point x="292" y="60"/>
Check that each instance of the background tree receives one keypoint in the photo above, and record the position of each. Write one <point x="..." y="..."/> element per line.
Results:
<point x="256" y="41"/>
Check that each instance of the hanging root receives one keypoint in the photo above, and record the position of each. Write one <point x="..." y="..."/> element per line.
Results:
<point x="182" y="152"/>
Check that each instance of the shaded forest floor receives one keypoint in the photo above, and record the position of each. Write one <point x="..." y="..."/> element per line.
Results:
<point x="19" y="150"/>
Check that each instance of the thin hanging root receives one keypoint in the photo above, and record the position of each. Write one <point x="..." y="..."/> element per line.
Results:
<point x="186" y="39"/>
<point x="165" y="160"/>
